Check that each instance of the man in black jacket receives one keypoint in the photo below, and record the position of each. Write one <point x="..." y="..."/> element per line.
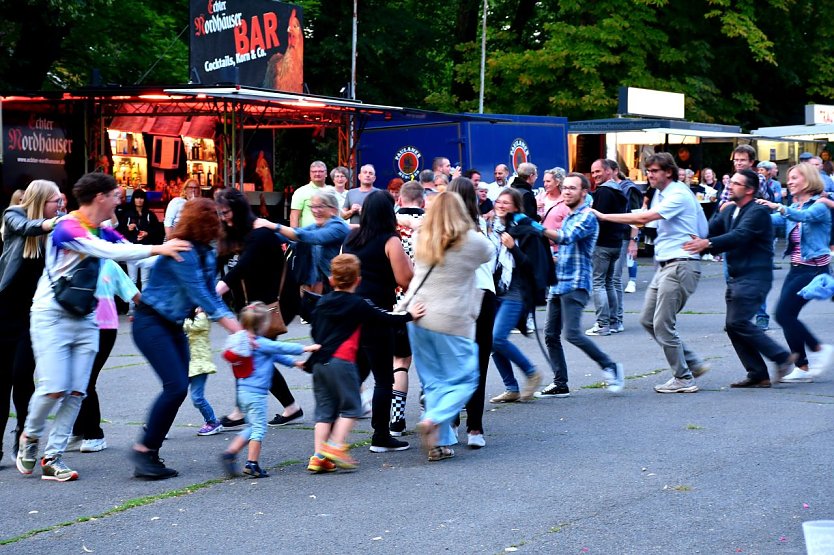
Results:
<point x="608" y="199"/>
<point x="744" y="232"/>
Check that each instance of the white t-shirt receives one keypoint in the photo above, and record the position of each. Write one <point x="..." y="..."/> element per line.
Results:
<point x="682" y="218"/>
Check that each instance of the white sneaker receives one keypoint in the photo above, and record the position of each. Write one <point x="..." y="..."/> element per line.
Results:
<point x="798" y="376"/>
<point x="598" y="330"/>
<point x="476" y="441"/>
<point x="93" y="445"/>
<point x="617" y="375"/>
<point x="821" y="361"/>
<point x="631" y="286"/>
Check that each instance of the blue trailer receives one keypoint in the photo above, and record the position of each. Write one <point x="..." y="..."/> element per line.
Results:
<point x="407" y="143"/>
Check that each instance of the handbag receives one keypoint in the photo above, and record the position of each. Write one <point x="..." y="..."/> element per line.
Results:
<point x="277" y="326"/>
<point x="77" y="293"/>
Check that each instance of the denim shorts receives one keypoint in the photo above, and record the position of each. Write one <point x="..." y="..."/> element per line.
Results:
<point x="254" y="406"/>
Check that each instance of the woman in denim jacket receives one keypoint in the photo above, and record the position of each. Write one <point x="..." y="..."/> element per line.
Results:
<point x="176" y="288"/>
<point x="808" y="231"/>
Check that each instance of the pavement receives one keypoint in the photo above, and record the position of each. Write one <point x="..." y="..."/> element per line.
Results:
<point x="720" y="471"/>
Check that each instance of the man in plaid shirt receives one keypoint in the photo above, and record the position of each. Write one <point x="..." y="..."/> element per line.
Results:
<point x="574" y="269"/>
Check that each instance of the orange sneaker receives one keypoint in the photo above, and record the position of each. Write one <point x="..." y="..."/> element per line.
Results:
<point x="339" y="455"/>
<point x="318" y="465"/>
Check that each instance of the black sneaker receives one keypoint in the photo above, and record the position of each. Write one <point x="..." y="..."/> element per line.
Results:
<point x="388" y="443"/>
<point x="552" y="391"/>
<point x="280" y="420"/>
<point x="148" y="466"/>
<point x="397" y="427"/>
<point x="254" y="471"/>
<point x="227" y="422"/>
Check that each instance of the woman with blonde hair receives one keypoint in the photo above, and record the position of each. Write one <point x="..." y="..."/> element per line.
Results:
<point x="190" y="190"/>
<point x="448" y="252"/>
<point x="808" y="233"/>
<point x="24" y="228"/>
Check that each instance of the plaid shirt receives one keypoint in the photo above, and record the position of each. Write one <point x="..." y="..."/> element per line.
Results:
<point x="574" y="265"/>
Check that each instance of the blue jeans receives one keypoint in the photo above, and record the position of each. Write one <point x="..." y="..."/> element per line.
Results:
<point x="606" y="284"/>
<point x="790" y="304"/>
<point x="254" y="406"/>
<point x="564" y="313"/>
<point x="505" y="353"/>
<point x="165" y="346"/>
<point x="448" y="370"/>
<point x="198" y="389"/>
<point x="64" y="348"/>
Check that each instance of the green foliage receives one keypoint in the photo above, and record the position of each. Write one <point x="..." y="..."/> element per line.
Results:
<point x="750" y="62"/>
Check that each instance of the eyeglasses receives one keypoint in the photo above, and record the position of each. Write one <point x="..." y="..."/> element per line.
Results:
<point x="739" y="183"/>
<point x="653" y="170"/>
<point x="59" y="202"/>
<point x="318" y="206"/>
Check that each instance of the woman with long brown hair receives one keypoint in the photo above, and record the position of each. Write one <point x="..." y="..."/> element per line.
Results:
<point x="24" y="229"/>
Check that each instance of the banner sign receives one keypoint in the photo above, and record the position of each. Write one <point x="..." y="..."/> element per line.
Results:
<point x="255" y="43"/>
<point x="36" y="145"/>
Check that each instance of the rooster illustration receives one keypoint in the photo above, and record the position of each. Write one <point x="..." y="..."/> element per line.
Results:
<point x="285" y="72"/>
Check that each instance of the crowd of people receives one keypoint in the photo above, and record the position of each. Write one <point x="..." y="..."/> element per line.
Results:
<point x="438" y="272"/>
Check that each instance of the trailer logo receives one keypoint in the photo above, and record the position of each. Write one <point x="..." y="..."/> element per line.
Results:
<point x="407" y="162"/>
<point x="519" y="153"/>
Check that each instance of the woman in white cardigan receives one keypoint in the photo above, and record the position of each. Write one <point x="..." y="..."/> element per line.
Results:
<point x="448" y="251"/>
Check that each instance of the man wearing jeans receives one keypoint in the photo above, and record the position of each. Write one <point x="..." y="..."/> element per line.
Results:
<point x="577" y="238"/>
<point x="745" y="233"/>
<point x="608" y="199"/>
<point x="679" y="218"/>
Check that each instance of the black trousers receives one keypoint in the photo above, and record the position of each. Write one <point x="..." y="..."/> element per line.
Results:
<point x="17" y="379"/>
<point x="88" y="422"/>
<point x="744" y="296"/>
<point x="375" y="355"/>
<point x="483" y="337"/>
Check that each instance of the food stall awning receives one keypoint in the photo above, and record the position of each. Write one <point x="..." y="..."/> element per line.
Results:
<point x="796" y="132"/>
<point x="662" y="126"/>
<point x="374" y="112"/>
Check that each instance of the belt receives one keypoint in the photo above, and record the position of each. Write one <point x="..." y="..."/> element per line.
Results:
<point x="664" y="263"/>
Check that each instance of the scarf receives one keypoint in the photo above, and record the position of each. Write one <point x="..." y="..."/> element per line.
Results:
<point x="505" y="263"/>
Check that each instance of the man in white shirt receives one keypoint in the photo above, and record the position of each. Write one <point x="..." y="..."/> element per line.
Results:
<point x="679" y="218"/>
<point x="502" y="174"/>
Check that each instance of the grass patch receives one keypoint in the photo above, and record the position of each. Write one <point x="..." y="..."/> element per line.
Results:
<point x="696" y="312"/>
<point x="645" y="374"/>
<point x="135" y="503"/>
<point x="595" y="385"/>
<point x="694" y="427"/>
<point x="681" y="487"/>
<point x="360" y="443"/>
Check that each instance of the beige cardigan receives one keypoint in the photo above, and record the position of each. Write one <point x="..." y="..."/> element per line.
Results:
<point x="452" y="300"/>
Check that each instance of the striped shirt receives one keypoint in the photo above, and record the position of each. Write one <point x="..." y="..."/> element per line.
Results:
<point x="796" y="254"/>
<point x="577" y="239"/>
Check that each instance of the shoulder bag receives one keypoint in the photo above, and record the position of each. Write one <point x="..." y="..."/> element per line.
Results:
<point x="277" y="326"/>
<point x="77" y="293"/>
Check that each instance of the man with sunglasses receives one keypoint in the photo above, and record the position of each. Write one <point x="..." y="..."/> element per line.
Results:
<point x="745" y="234"/>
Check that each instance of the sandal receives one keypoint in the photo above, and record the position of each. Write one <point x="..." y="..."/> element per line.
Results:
<point x="439" y="453"/>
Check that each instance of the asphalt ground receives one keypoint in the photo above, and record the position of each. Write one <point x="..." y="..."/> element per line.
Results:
<point x="720" y="471"/>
